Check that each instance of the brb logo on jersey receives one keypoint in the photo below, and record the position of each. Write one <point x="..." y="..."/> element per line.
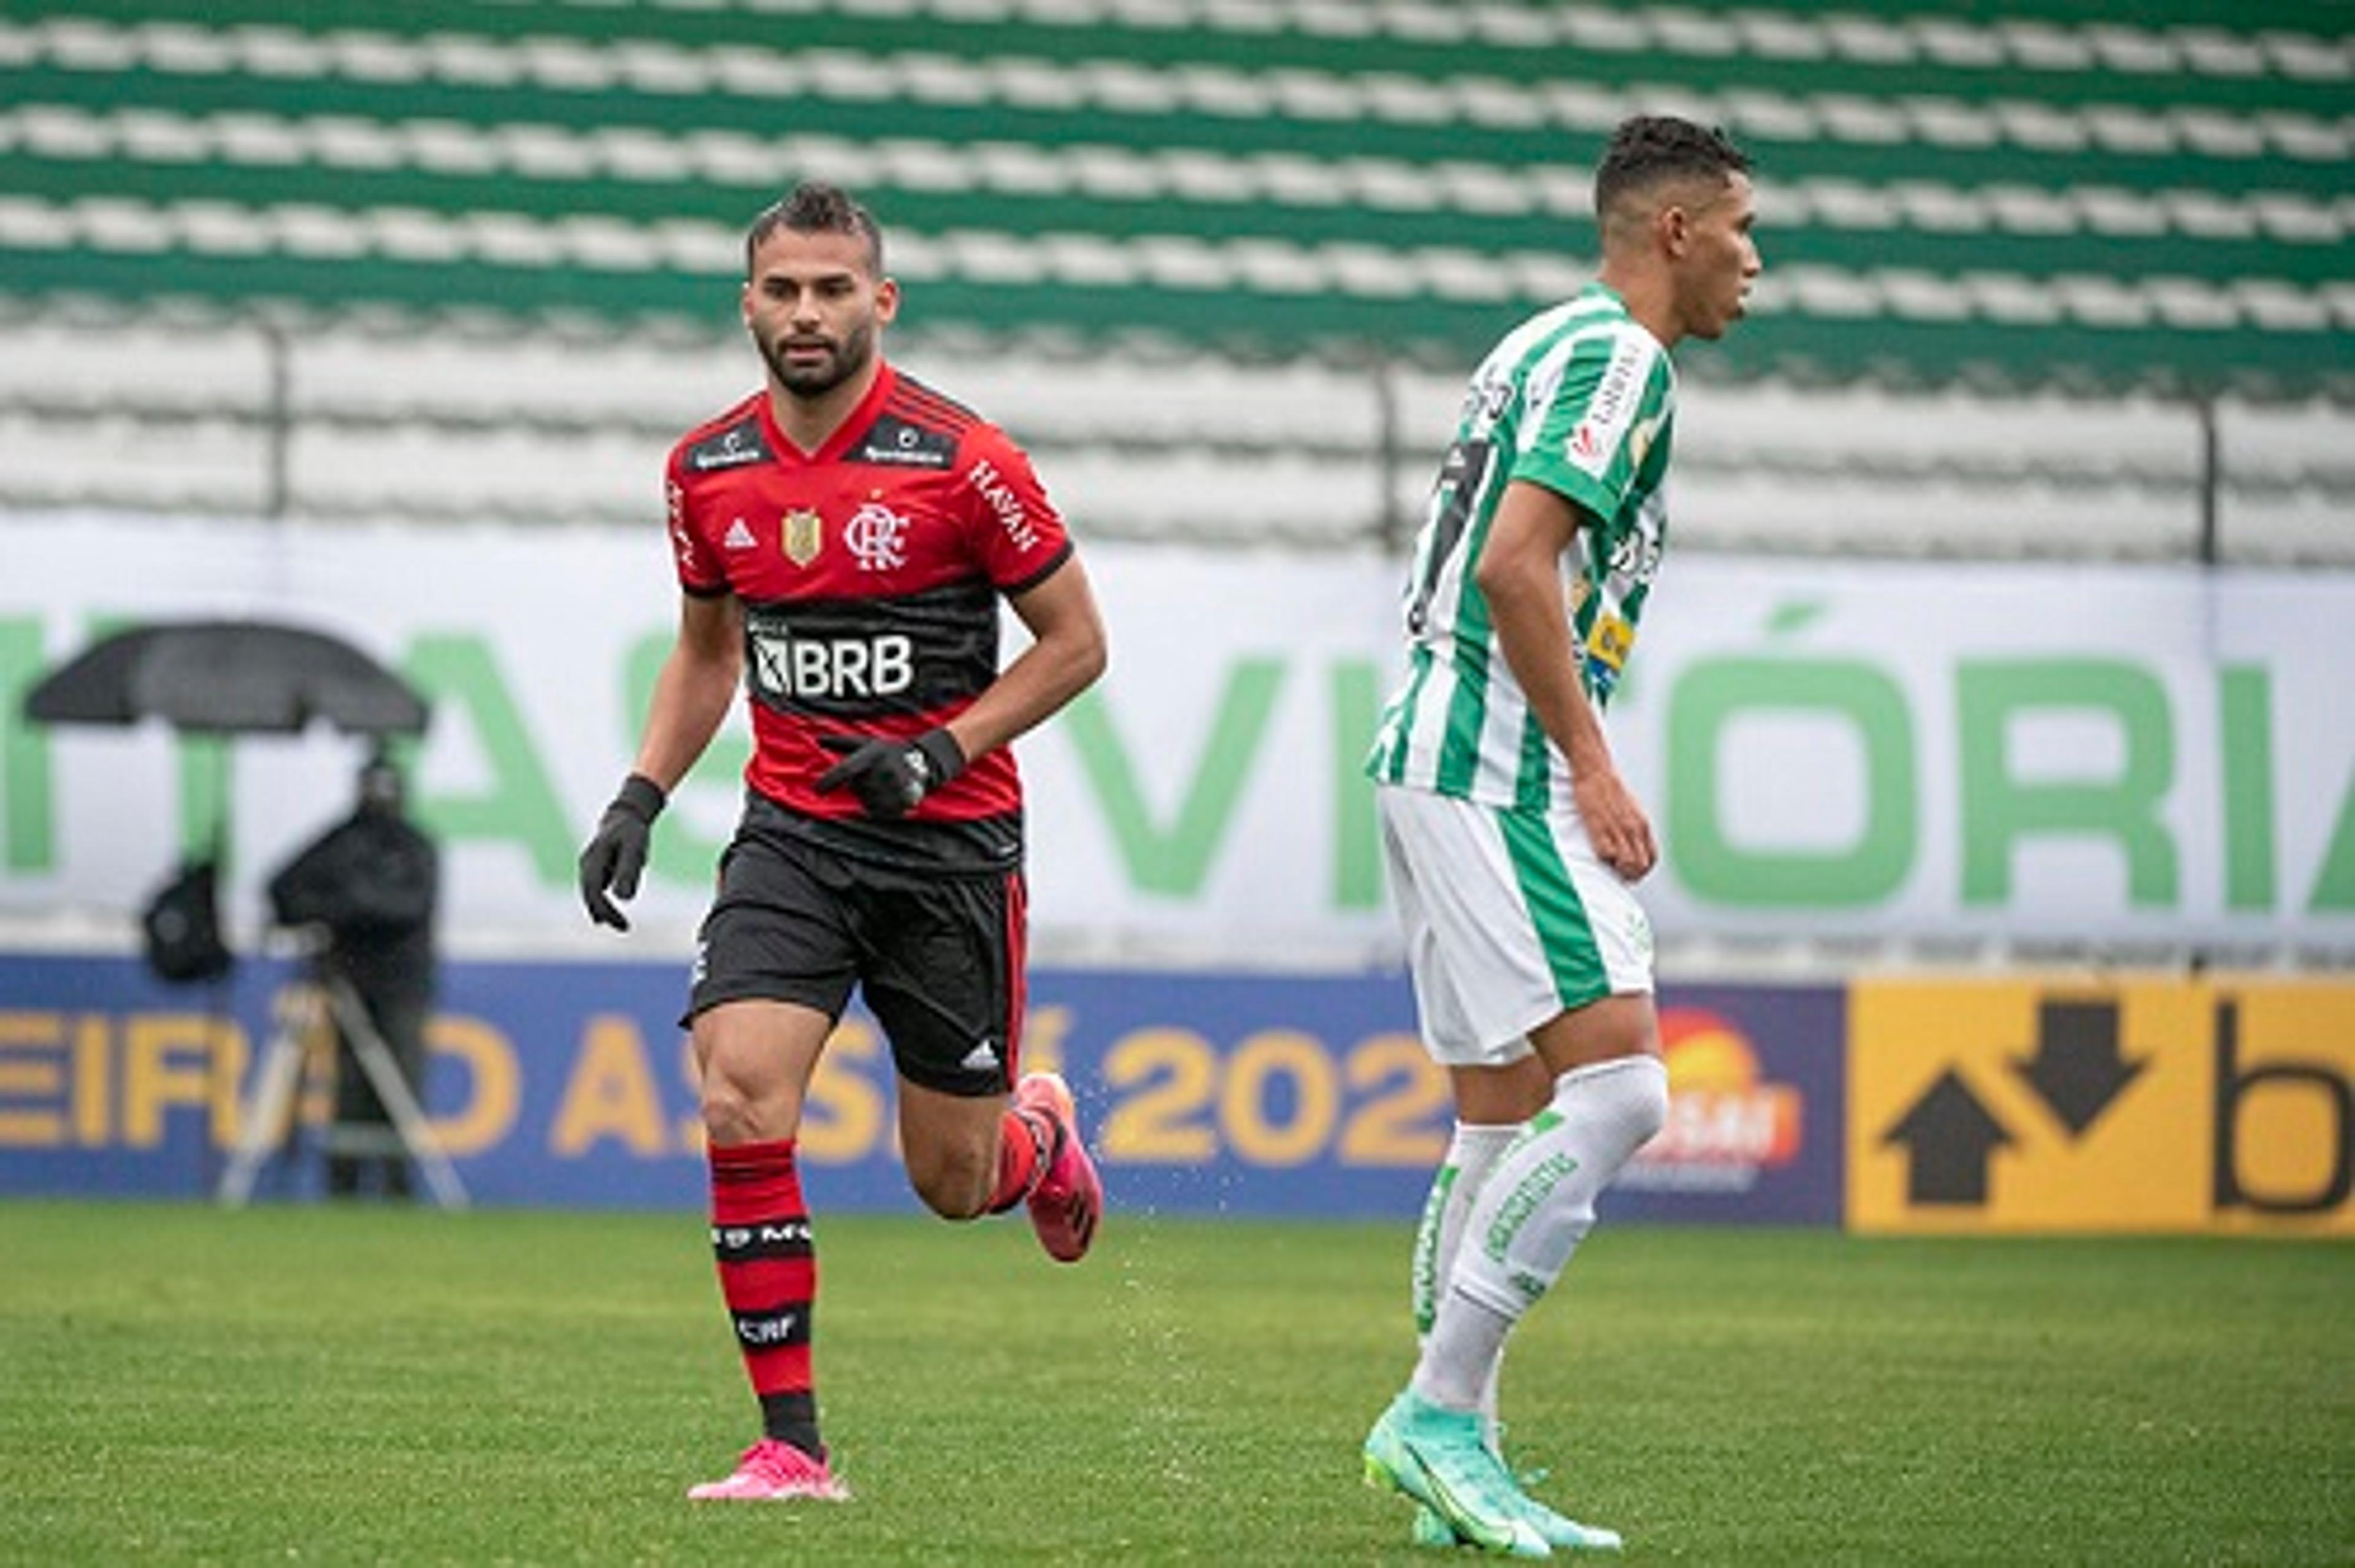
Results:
<point x="878" y="536"/>
<point x="824" y="670"/>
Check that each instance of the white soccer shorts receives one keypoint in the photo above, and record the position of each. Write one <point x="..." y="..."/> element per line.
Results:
<point x="1509" y="919"/>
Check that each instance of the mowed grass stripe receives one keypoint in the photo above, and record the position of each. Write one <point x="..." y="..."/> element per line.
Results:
<point x="367" y="1386"/>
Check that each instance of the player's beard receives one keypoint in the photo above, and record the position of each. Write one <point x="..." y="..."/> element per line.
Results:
<point x="1712" y="313"/>
<point x="843" y="359"/>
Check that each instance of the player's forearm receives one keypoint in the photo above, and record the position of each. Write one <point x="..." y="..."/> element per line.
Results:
<point x="1532" y="625"/>
<point x="1067" y="653"/>
<point x="692" y="695"/>
<point x="1049" y="674"/>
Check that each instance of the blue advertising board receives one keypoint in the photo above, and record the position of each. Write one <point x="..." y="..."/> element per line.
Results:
<point x="568" y="1084"/>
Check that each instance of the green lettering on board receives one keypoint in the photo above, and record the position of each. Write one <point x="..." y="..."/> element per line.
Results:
<point x="2001" y="810"/>
<point x="2244" y="695"/>
<point x="458" y="676"/>
<point x="1175" y="859"/>
<point x="1713" y="693"/>
<point x="1357" y="838"/>
<point x="2334" y="885"/>
<point x="27" y="815"/>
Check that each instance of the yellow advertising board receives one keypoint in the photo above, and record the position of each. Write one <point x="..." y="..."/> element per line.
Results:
<point x="2060" y="1105"/>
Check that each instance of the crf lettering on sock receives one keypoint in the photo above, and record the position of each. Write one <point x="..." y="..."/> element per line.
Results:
<point x="767" y="1260"/>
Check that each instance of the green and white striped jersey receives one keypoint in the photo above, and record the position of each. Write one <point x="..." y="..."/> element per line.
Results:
<point x="1579" y="399"/>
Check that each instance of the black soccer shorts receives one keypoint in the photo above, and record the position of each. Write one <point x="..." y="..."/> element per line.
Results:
<point x="938" y="956"/>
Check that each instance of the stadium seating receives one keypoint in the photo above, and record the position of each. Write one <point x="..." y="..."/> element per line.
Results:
<point x="2011" y="261"/>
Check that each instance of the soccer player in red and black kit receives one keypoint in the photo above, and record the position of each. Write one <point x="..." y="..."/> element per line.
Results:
<point x="843" y="538"/>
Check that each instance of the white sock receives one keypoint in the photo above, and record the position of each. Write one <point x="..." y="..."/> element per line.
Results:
<point x="1472" y="1153"/>
<point x="1529" y="1216"/>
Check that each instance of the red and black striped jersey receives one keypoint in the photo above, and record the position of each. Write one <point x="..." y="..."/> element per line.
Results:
<point x="869" y="572"/>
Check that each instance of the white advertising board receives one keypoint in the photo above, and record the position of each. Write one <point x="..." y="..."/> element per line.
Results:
<point x="1832" y="749"/>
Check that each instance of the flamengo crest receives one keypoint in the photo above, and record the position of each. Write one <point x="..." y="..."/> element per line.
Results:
<point x="878" y="536"/>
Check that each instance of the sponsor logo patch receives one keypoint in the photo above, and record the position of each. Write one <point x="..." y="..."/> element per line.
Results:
<point x="682" y="538"/>
<point x="822" y="668"/>
<point x="769" y="1239"/>
<point x="732" y="448"/>
<point x="1608" y="411"/>
<point x="760" y="1330"/>
<point x="1004" y="503"/>
<point x="1610" y="639"/>
<point x="904" y="445"/>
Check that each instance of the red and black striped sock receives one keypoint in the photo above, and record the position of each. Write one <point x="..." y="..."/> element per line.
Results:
<point x="768" y="1276"/>
<point x="1025" y="1142"/>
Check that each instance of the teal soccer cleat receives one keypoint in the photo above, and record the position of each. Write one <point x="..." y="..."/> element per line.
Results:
<point x="1429" y="1529"/>
<point x="1436" y="1458"/>
<point x="1564" y="1533"/>
<point x="1558" y="1531"/>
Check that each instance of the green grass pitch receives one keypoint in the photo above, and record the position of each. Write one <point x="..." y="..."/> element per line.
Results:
<point x="307" y="1385"/>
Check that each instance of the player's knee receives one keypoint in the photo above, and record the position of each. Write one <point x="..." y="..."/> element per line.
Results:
<point x="1628" y="1102"/>
<point x="733" y="1116"/>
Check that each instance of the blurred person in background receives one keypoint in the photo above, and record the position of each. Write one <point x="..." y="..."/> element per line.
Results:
<point x="1512" y="841"/>
<point x="370" y="885"/>
<point x="842" y="540"/>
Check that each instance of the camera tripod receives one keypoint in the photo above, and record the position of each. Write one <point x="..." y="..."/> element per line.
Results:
<point x="322" y="997"/>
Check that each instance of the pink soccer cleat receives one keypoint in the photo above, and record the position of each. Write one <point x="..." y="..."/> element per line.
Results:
<point x="771" y="1471"/>
<point x="1070" y="1195"/>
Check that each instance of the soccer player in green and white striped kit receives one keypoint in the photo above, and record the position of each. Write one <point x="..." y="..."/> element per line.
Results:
<point x="1513" y="842"/>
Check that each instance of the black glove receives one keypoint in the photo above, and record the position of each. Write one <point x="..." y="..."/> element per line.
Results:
<point x="890" y="777"/>
<point x="617" y="853"/>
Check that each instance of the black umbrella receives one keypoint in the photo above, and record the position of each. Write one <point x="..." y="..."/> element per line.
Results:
<point x="222" y="678"/>
<point x="226" y="677"/>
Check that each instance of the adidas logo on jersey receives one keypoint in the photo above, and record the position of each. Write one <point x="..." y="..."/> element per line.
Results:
<point x="739" y="536"/>
<point x="981" y="1058"/>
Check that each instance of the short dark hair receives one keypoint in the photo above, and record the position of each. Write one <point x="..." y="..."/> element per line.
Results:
<point x="815" y="207"/>
<point x="1647" y="149"/>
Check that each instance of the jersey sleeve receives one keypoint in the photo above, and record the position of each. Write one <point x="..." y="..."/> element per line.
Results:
<point x="692" y="549"/>
<point x="1589" y="432"/>
<point x="1013" y="529"/>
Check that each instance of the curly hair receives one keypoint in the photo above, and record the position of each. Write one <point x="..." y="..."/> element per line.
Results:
<point x="1647" y="149"/>
<point x="815" y="207"/>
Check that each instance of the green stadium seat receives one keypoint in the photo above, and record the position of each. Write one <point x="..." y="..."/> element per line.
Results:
<point x="2062" y="199"/>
